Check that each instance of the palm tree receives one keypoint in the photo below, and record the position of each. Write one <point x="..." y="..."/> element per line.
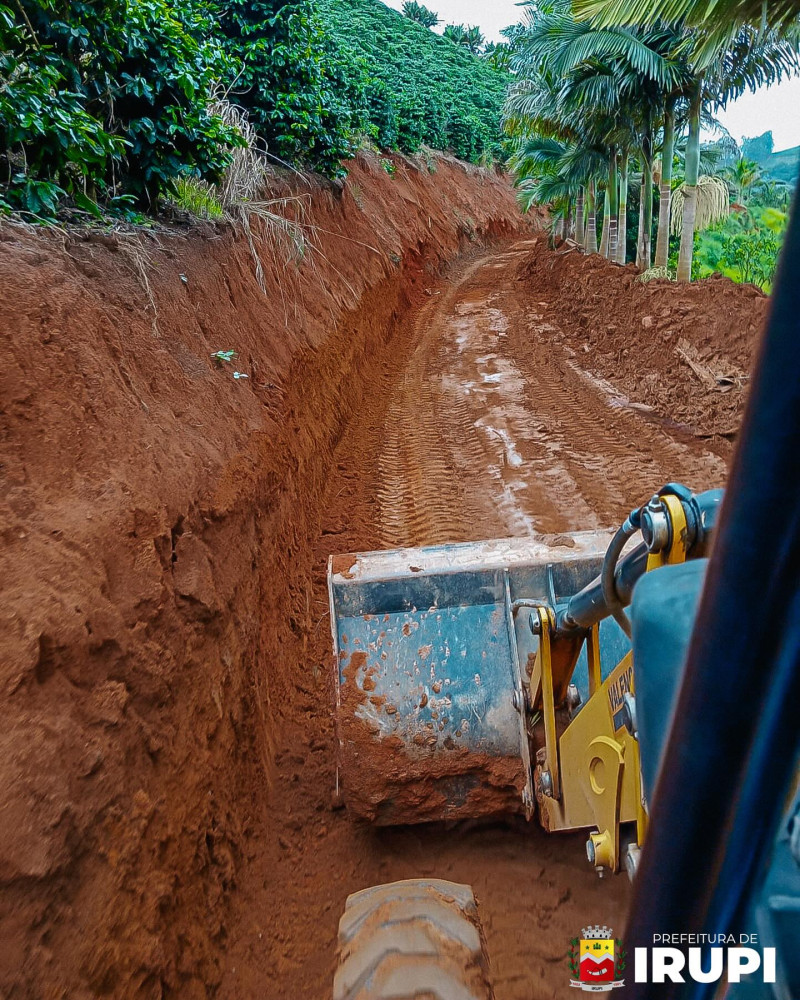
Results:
<point x="752" y="59"/>
<point x="745" y="57"/>
<point x="643" y="242"/>
<point x="422" y="15"/>
<point x="562" y="174"/>
<point x="775" y="194"/>
<point x="590" y="237"/>
<point x="710" y="14"/>
<point x="553" y="192"/>
<point x="470" y="37"/>
<point x="665" y="180"/>
<point x="497" y="54"/>
<point x="744" y="174"/>
<point x="620" y="74"/>
<point x="624" y="163"/>
<point x="657" y="74"/>
<point x="556" y="135"/>
<point x="711" y="204"/>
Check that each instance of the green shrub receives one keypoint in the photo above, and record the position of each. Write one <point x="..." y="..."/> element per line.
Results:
<point x="753" y="255"/>
<point x="287" y="80"/>
<point x="103" y="100"/>
<point x="744" y="247"/>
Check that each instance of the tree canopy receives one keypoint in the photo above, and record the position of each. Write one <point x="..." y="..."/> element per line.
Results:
<point x="115" y="104"/>
<point x="603" y="86"/>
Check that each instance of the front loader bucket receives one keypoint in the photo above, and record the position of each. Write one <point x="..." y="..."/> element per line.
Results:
<point x="430" y="654"/>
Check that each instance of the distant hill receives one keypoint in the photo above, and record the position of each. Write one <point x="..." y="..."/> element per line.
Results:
<point x="782" y="166"/>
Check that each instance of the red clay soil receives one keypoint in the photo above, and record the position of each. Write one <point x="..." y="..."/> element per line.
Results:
<point x="157" y="516"/>
<point x="686" y="350"/>
<point x="482" y="423"/>
<point x="167" y="827"/>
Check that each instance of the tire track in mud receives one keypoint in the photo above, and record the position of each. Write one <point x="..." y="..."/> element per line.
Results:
<point x="478" y="423"/>
<point x="486" y="425"/>
<point x="495" y="429"/>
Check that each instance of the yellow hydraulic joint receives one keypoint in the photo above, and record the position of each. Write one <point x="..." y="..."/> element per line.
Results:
<point x="542" y="621"/>
<point x="588" y="772"/>
<point x="664" y="528"/>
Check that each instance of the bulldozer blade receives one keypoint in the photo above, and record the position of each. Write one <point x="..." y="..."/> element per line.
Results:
<point x="431" y="649"/>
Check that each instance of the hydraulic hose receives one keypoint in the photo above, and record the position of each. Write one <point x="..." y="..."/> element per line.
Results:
<point x="607" y="576"/>
<point x="589" y="606"/>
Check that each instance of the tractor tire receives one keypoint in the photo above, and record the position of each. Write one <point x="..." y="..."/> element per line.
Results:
<point x="414" y="940"/>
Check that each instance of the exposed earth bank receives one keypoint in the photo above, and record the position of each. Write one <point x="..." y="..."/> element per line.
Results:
<point x="684" y="350"/>
<point x="166" y="827"/>
<point x="158" y="517"/>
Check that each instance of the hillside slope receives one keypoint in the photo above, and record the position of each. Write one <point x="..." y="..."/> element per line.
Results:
<point x="417" y="87"/>
<point x="783" y="166"/>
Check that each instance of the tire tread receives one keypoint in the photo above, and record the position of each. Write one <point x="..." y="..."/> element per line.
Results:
<point x="420" y="938"/>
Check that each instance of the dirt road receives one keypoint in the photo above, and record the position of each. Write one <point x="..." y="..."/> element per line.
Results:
<point x="495" y="427"/>
<point x="482" y="423"/>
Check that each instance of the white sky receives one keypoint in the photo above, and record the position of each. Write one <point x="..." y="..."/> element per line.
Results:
<point x="776" y="108"/>
<point x="489" y="15"/>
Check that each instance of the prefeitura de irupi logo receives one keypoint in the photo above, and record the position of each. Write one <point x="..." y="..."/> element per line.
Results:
<point x="597" y="959"/>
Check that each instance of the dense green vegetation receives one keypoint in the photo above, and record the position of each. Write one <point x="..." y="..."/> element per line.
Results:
<point x="409" y="86"/>
<point x="111" y="106"/>
<point x="745" y="244"/>
<point x="610" y="96"/>
<point x="743" y="247"/>
<point x="285" y="79"/>
<point x="91" y="93"/>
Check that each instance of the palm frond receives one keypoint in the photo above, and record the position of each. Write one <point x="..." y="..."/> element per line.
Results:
<point x="708" y="13"/>
<point x="751" y="59"/>
<point x="565" y="43"/>
<point x="536" y="154"/>
<point x="716" y="22"/>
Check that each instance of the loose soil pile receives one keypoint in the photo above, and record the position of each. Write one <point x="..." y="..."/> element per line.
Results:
<point x="166" y="820"/>
<point x="685" y="350"/>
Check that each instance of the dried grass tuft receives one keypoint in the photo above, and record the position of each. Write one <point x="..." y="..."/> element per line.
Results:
<point x="240" y="194"/>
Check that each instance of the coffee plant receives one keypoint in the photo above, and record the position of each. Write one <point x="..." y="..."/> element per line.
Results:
<point x="411" y="86"/>
<point x="287" y="80"/>
<point x="106" y="105"/>
<point x="106" y="100"/>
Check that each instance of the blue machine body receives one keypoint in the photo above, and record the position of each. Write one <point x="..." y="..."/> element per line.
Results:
<point x="663" y="615"/>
